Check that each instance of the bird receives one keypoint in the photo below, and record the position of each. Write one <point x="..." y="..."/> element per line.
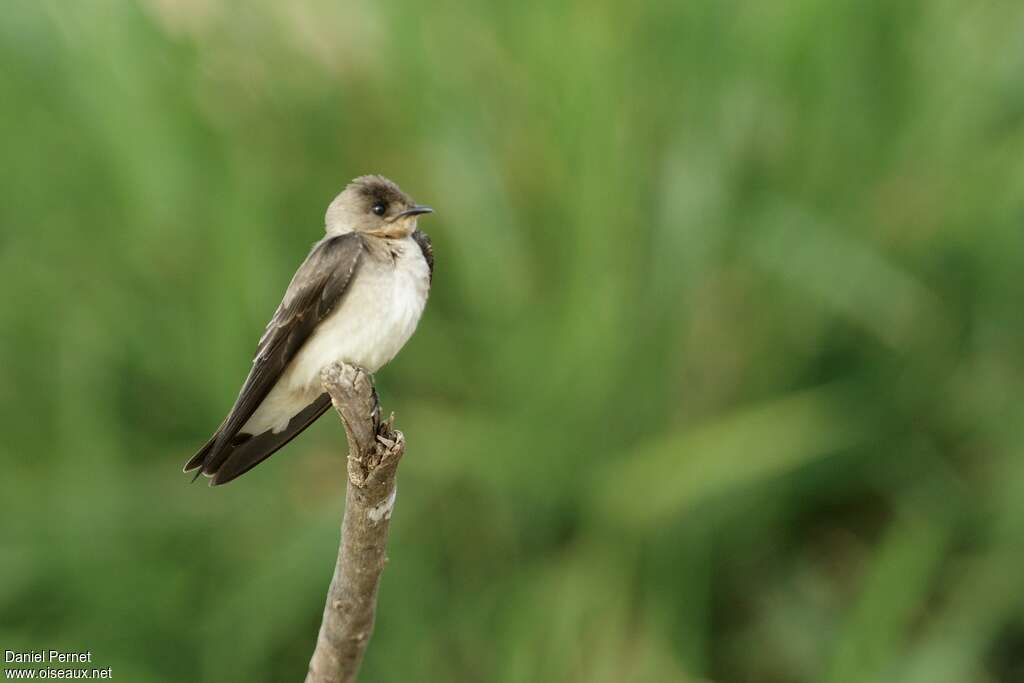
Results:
<point x="356" y="299"/>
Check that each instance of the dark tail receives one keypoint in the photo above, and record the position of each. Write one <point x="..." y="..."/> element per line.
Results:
<point x="243" y="452"/>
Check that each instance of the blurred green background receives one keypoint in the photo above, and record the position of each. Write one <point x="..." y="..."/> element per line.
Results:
<point x="720" y="379"/>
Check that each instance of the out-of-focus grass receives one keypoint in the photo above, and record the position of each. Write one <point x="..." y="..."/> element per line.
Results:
<point x="720" y="377"/>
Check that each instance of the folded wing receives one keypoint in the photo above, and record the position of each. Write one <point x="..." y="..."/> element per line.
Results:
<point x="318" y="286"/>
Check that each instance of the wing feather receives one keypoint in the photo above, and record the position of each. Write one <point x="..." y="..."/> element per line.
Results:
<point x="316" y="289"/>
<point x="423" y="240"/>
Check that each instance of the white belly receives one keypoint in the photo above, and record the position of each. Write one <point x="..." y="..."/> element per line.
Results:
<point x="374" y="320"/>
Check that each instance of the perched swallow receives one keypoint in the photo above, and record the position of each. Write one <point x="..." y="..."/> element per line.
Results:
<point x="355" y="299"/>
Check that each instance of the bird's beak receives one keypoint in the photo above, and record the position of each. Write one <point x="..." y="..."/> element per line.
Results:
<point x="391" y="231"/>
<point x="415" y="211"/>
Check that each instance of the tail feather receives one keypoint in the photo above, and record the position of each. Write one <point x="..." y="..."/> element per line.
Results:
<point x="243" y="452"/>
<point x="197" y="460"/>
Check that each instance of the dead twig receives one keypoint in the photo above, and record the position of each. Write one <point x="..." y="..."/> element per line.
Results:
<point x="375" y="450"/>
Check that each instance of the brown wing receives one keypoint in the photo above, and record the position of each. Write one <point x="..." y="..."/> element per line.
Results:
<point x="423" y="239"/>
<point x="319" y="284"/>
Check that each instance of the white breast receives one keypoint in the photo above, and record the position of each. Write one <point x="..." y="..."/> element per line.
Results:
<point x="374" y="320"/>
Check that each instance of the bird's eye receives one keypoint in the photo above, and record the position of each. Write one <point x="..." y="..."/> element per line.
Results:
<point x="379" y="208"/>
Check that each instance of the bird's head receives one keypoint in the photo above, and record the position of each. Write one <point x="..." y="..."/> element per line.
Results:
<point x="373" y="205"/>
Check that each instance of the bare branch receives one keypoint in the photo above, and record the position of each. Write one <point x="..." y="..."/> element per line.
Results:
<point x="375" y="450"/>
